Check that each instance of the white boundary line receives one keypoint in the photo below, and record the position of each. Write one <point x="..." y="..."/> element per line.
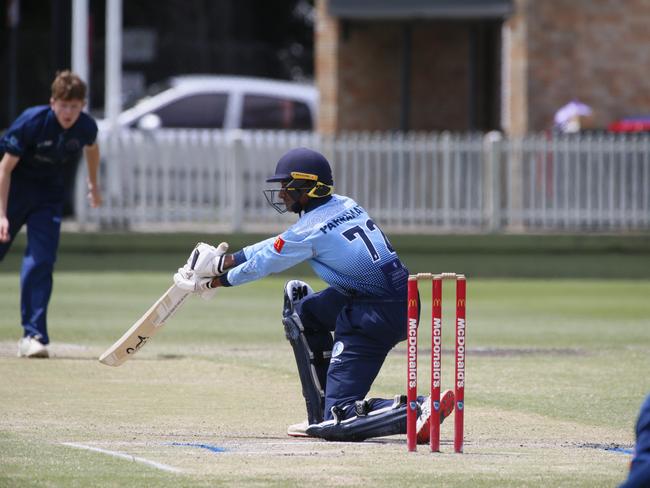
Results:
<point x="128" y="457"/>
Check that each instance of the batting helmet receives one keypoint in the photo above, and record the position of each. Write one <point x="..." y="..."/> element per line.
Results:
<point x="305" y="161"/>
<point x="301" y="170"/>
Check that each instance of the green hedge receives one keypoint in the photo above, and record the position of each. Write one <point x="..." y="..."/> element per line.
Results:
<point x="542" y="256"/>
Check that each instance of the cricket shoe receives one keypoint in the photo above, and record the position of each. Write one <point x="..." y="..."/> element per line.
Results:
<point x="422" y="425"/>
<point x="31" y="347"/>
<point x="298" y="430"/>
<point x="294" y="291"/>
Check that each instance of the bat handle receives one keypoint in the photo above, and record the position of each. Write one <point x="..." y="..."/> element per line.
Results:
<point x="195" y="257"/>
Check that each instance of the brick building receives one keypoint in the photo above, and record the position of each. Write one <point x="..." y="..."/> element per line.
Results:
<point x="430" y="65"/>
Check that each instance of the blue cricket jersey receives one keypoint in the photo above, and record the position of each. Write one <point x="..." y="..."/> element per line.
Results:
<point x="343" y="245"/>
<point x="44" y="147"/>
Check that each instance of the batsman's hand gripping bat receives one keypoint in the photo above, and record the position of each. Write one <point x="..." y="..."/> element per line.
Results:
<point x="137" y="336"/>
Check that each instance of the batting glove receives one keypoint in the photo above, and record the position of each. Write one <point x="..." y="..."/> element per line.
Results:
<point x="210" y="261"/>
<point x="187" y="280"/>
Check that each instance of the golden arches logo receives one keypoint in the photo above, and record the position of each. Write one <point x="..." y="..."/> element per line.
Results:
<point x="437" y="302"/>
<point x="413" y="302"/>
<point x="461" y="302"/>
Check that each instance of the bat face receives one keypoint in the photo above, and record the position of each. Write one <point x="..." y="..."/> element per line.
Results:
<point x="137" y="336"/>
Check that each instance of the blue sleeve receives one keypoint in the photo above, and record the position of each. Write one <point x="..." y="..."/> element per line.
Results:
<point x="270" y="256"/>
<point x="250" y="251"/>
<point x="16" y="139"/>
<point x="89" y="128"/>
<point x="245" y="254"/>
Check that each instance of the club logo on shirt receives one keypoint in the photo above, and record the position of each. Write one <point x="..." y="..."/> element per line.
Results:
<point x="12" y="141"/>
<point x="337" y="349"/>
<point x="278" y="244"/>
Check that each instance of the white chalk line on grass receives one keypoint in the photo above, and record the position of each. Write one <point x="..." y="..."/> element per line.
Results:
<point x="122" y="455"/>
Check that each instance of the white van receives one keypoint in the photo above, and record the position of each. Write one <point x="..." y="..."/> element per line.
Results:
<point x="223" y="102"/>
<point x="214" y="102"/>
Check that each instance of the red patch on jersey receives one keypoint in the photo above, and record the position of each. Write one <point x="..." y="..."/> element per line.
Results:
<point x="278" y="244"/>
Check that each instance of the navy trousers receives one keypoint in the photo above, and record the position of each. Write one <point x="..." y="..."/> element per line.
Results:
<point x="38" y="204"/>
<point x="365" y="330"/>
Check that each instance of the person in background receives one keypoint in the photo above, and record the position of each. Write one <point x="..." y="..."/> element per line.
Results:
<point x="573" y="117"/>
<point x="37" y="147"/>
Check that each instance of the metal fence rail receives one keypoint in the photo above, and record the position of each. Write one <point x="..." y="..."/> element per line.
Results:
<point x="424" y="183"/>
<point x="576" y="183"/>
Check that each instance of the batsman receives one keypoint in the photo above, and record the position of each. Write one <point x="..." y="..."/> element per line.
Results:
<point x="341" y="335"/>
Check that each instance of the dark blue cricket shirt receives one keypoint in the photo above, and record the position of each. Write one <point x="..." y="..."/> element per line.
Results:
<point x="44" y="147"/>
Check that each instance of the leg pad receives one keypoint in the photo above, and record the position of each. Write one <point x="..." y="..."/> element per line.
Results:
<point x="311" y="386"/>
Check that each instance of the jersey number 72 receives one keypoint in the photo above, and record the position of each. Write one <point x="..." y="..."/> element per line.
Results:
<point x="357" y="231"/>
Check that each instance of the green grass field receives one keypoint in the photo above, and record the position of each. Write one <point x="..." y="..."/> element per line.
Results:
<point x="557" y="368"/>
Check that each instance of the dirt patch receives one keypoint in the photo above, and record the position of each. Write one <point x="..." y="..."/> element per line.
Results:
<point x="527" y="351"/>
<point x="61" y="350"/>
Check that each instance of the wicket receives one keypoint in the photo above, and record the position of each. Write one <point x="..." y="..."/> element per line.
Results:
<point x="413" y="318"/>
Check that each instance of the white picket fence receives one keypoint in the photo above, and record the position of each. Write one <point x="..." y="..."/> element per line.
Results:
<point x="421" y="183"/>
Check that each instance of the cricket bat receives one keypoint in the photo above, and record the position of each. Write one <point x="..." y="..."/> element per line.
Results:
<point x="137" y="336"/>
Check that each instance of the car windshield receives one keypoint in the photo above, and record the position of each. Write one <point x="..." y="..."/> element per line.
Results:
<point x="153" y="90"/>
